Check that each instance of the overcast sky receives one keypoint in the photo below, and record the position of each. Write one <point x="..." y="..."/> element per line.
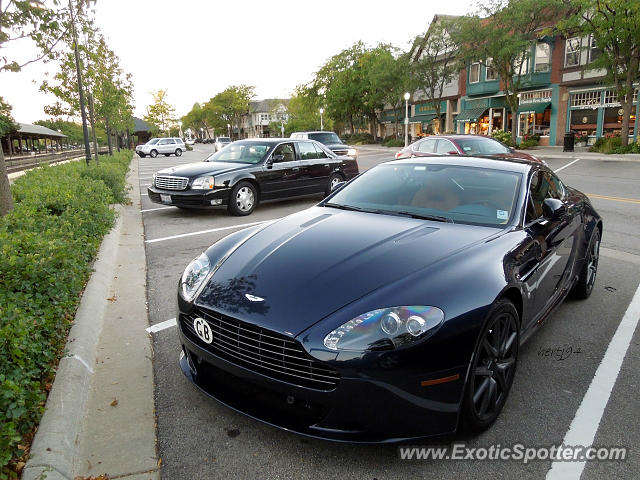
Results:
<point x="194" y="49"/>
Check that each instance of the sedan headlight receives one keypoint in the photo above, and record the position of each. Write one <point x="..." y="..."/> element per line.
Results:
<point x="193" y="276"/>
<point x="386" y="329"/>
<point x="203" y="183"/>
<point x="352" y="152"/>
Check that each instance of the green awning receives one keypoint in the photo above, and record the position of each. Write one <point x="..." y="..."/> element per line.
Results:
<point x="534" y="107"/>
<point x="471" y="114"/>
<point x="422" y="118"/>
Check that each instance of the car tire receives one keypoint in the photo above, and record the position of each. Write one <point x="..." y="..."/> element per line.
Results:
<point x="334" y="179"/>
<point x="167" y="154"/>
<point x="493" y="368"/>
<point x="153" y="153"/>
<point x="178" y="152"/>
<point x="587" y="278"/>
<point x="141" y="155"/>
<point x="243" y="199"/>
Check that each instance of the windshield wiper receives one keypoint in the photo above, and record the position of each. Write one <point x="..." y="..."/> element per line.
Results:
<point x="347" y="207"/>
<point x="436" y="218"/>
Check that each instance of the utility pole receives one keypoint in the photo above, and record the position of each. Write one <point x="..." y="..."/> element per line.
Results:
<point x="85" y="130"/>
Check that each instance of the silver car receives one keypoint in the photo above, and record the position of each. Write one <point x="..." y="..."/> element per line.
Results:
<point x="162" y="146"/>
<point x="221" y="142"/>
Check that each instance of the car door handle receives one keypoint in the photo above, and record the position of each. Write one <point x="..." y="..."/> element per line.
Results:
<point x="295" y="169"/>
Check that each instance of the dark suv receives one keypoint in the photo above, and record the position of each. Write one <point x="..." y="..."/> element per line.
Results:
<point x="329" y="139"/>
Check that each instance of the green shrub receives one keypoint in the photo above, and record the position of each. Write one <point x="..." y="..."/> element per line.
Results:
<point x="47" y="245"/>
<point x="613" y="144"/>
<point x="502" y="136"/>
<point x="393" y="142"/>
<point x="359" y="138"/>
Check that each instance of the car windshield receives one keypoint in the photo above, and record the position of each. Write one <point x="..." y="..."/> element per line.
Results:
<point x="153" y="141"/>
<point x="241" y="152"/>
<point x="325" y="137"/>
<point x="448" y="193"/>
<point x="481" y="146"/>
<point x="224" y="139"/>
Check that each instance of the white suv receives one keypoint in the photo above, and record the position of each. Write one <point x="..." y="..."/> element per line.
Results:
<point x="166" y="146"/>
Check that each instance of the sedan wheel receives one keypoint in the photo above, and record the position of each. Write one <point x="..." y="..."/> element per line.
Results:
<point x="493" y="368"/>
<point x="243" y="199"/>
<point x="153" y="153"/>
<point x="587" y="278"/>
<point x="178" y="152"/>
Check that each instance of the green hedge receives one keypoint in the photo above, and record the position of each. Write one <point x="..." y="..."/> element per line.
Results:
<point x="47" y="245"/>
<point x="613" y="144"/>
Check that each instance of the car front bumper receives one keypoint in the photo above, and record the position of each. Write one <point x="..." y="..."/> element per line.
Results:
<point x="362" y="408"/>
<point x="190" y="198"/>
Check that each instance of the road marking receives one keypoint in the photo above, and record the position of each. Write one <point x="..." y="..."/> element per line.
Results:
<point x="202" y="232"/>
<point x="154" y="209"/>
<point x="144" y="194"/>
<point x="614" y="199"/>
<point x="585" y="424"/>
<point x="158" y="327"/>
<point x="567" y="165"/>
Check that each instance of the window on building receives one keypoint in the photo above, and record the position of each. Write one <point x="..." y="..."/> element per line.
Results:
<point x="584" y="122"/>
<point x="594" y="51"/>
<point x="474" y="73"/>
<point x="543" y="57"/>
<point x="491" y="72"/>
<point x="572" y="52"/>
<point x="522" y="64"/>
<point x="585" y="99"/>
<point x="526" y="122"/>
<point x="531" y="123"/>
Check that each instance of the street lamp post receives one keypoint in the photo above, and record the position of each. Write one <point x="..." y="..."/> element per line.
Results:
<point x="321" y="124"/>
<point x="229" y="130"/>
<point x="406" y="118"/>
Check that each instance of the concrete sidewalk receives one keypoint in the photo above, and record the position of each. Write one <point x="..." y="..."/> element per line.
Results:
<point x="555" y="152"/>
<point x="100" y="416"/>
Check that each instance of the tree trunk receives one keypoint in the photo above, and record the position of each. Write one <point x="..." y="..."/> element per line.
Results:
<point x="626" y="107"/>
<point x="437" y="119"/>
<point x="109" y="137"/>
<point x="92" y="118"/>
<point x="6" y="199"/>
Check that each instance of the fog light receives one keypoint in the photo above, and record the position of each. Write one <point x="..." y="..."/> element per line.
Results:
<point x="216" y="201"/>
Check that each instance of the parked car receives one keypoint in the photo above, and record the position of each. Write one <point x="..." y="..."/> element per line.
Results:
<point x="469" y="145"/>
<point x="221" y="142"/>
<point x="165" y="146"/>
<point x="247" y="172"/>
<point x="396" y="307"/>
<point x="330" y="139"/>
<point x="190" y="141"/>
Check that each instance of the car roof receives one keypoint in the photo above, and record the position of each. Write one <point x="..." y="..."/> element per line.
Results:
<point x="314" y="131"/>
<point x="506" y="164"/>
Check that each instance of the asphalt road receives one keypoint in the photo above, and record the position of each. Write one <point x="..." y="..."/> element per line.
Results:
<point x="199" y="438"/>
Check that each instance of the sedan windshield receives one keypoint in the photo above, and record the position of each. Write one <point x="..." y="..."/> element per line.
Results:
<point x="448" y="193"/>
<point x="325" y="137"/>
<point x="241" y="152"/>
<point x="481" y="146"/>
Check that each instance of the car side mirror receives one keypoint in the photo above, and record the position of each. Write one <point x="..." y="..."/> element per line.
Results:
<point x="553" y="209"/>
<point x="512" y="150"/>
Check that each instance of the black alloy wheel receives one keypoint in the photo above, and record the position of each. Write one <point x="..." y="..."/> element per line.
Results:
<point x="493" y="368"/>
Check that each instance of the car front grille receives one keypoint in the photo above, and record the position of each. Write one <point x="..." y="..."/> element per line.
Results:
<point x="260" y="350"/>
<point x="171" y="183"/>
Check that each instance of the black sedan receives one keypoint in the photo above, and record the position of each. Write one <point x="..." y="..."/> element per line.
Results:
<point x="395" y="308"/>
<point x="247" y="172"/>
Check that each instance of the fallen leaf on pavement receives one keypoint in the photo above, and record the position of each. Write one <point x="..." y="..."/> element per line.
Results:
<point x="114" y="403"/>
<point x="112" y="299"/>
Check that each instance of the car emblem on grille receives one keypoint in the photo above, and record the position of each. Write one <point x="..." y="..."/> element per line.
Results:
<point x="253" y="298"/>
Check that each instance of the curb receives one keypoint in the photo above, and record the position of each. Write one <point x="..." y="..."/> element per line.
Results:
<point x="54" y="446"/>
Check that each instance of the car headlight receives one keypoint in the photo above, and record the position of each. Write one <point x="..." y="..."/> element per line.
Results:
<point x="203" y="183"/>
<point x="386" y="329"/>
<point x="352" y="152"/>
<point x="193" y="276"/>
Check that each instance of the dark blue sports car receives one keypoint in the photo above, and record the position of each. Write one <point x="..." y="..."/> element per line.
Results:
<point x="393" y="309"/>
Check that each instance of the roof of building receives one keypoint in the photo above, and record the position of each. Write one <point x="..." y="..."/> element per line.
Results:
<point x="140" y="125"/>
<point x="39" y="130"/>
<point x="267" y="104"/>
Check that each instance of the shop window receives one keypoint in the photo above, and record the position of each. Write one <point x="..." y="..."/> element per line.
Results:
<point x="543" y="57"/>
<point x="584" y="121"/>
<point x="526" y="123"/>
<point x="474" y="73"/>
<point x="522" y="64"/>
<point x="594" y="51"/>
<point x="491" y="72"/>
<point x="542" y="125"/>
<point x="572" y="52"/>
<point x="613" y="121"/>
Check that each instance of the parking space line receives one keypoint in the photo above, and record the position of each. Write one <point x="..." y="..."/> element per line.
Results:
<point x="202" y="232"/>
<point x="585" y="424"/>
<point x="158" y="327"/>
<point x="567" y="165"/>
<point x="153" y="209"/>
<point x="614" y="199"/>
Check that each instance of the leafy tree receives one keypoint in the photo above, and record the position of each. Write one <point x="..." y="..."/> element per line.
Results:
<point x="304" y="112"/>
<point x="503" y="30"/>
<point x="615" y="27"/>
<point x="196" y="120"/>
<point x="434" y="61"/>
<point x="160" y="112"/>
<point x="228" y="107"/>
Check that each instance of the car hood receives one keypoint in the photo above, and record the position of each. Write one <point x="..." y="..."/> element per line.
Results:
<point x="310" y="264"/>
<point x="203" y="168"/>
